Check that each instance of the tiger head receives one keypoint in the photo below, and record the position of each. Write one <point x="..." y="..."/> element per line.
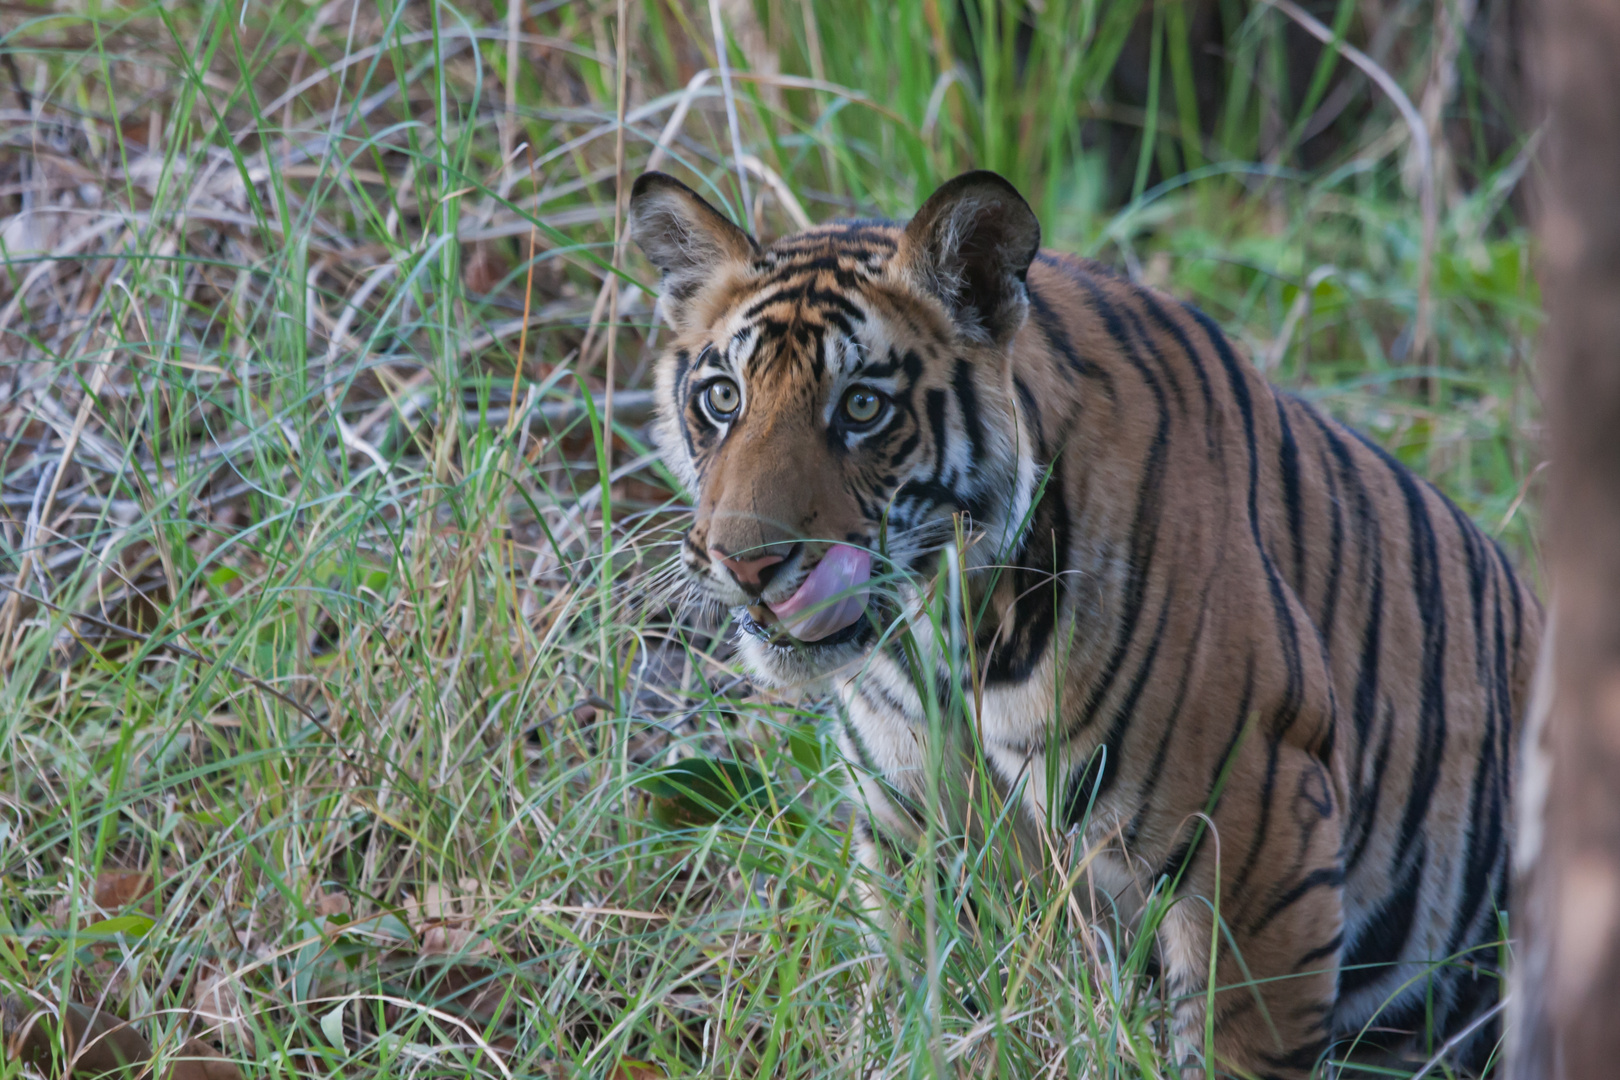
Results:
<point x="833" y="401"/>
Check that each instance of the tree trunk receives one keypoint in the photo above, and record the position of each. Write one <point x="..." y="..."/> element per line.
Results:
<point x="1565" y="1011"/>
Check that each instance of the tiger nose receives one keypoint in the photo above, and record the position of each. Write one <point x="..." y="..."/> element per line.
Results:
<point x="752" y="574"/>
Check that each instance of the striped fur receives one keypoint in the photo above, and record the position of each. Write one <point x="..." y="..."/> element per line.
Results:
<point x="1203" y="571"/>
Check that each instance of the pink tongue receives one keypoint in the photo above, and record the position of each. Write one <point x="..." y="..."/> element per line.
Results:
<point x="831" y="598"/>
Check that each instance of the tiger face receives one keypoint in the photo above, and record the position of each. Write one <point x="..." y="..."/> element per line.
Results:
<point x="834" y="401"/>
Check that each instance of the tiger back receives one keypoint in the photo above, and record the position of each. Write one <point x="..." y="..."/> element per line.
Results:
<point x="1201" y="595"/>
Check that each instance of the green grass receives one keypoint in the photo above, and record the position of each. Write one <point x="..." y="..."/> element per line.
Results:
<point x="368" y="675"/>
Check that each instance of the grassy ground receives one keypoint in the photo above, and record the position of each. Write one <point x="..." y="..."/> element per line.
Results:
<point x="335" y="667"/>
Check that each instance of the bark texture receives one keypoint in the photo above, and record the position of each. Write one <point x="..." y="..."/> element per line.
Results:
<point x="1566" y="998"/>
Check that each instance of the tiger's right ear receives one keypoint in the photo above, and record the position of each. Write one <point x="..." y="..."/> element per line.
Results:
<point x="687" y="239"/>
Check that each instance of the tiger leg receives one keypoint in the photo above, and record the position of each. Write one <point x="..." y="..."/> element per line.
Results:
<point x="1281" y="920"/>
<point x="875" y="919"/>
<point x="877" y="824"/>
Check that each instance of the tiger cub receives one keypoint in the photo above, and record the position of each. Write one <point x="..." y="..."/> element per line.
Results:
<point x="1207" y="595"/>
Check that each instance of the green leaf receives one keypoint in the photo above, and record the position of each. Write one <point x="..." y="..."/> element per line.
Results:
<point x="702" y="790"/>
<point x="136" y="926"/>
<point x="332" y="1027"/>
<point x="805" y="747"/>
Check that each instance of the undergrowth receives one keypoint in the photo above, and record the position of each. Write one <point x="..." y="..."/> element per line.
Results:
<point x="338" y="659"/>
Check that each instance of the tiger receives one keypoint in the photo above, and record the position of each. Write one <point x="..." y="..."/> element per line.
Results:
<point x="1204" y="600"/>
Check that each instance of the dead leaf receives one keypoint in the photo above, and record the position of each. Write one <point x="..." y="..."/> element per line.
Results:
<point x="441" y="940"/>
<point x="480" y="993"/>
<point x="486" y="267"/>
<point x="332" y="903"/>
<point x="95" y="1043"/>
<point x="437" y="905"/>
<point x="445" y="921"/>
<point x="630" y="1069"/>
<point x="199" y="1061"/>
<point x="120" y="888"/>
<point x="90" y="1041"/>
<point x="217" y="1003"/>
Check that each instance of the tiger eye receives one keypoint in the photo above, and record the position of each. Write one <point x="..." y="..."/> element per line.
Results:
<point x="723" y="397"/>
<point x="862" y="405"/>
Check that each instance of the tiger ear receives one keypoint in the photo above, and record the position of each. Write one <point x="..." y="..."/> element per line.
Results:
<point x="688" y="240"/>
<point x="971" y="245"/>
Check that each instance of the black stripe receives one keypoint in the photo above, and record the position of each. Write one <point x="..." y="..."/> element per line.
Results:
<point x="1381" y="939"/>
<point x="1330" y="593"/>
<point x="1518" y="608"/>
<point x="1366" y="790"/>
<point x="1293" y="504"/>
<point x="1288" y="633"/>
<point x="904" y="451"/>
<point x="1145" y="530"/>
<point x="878" y="697"/>
<point x="934" y="402"/>
<point x="683" y="369"/>
<point x="1364" y="799"/>
<point x="1507" y="731"/>
<point x="863" y="755"/>
<point x="967" y="399"/>
<point x="1077" y="800"/>
<point x="683" y="364"/>
<point x="1189" y="848"/>
<point x="1151" y="347"/>
<point x="889" y="366"/>
<point x="1173" y="328"/>
<point x="1475" y="990"/>
<point x="1051" y="324"/>
<point x="1033" y="412"/>
<point x="929" y="495"/>
<point x="1326" y="949"/>
<point x="1036" y="594"/>
<point x="1484" y="845"/>
<point x="843" y="325"/>
<point x="1301" y="1059"/>
<point x="1126" y="712"/>
<point x="1429" y="597"/>
<point x="1155" y="768"/>
<point x="1485" y="842"/>
<point x="1478" y="564"/>
<point x="783" y="275"/>
<point x="1262" y="832"/>
<point x="1323" y="877"/>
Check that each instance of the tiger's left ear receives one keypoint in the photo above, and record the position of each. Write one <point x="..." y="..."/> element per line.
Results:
<point x="971" y="245"/>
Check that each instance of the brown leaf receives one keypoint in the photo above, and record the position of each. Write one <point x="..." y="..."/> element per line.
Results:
<point x="630" y="1069"/>
<point x="333" y="903"/>
<point x="216" y="1002"/>
<point x="485" y="268"/>
<point x="90" y="1041"/>
<point x="199" y="1061"/>
<point x="438" y="905"/>
<point x="478" y="992"/>
<point x="441" y="940"/>
<point x="96" y="1043"/>
<point x="120" y="888"/>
